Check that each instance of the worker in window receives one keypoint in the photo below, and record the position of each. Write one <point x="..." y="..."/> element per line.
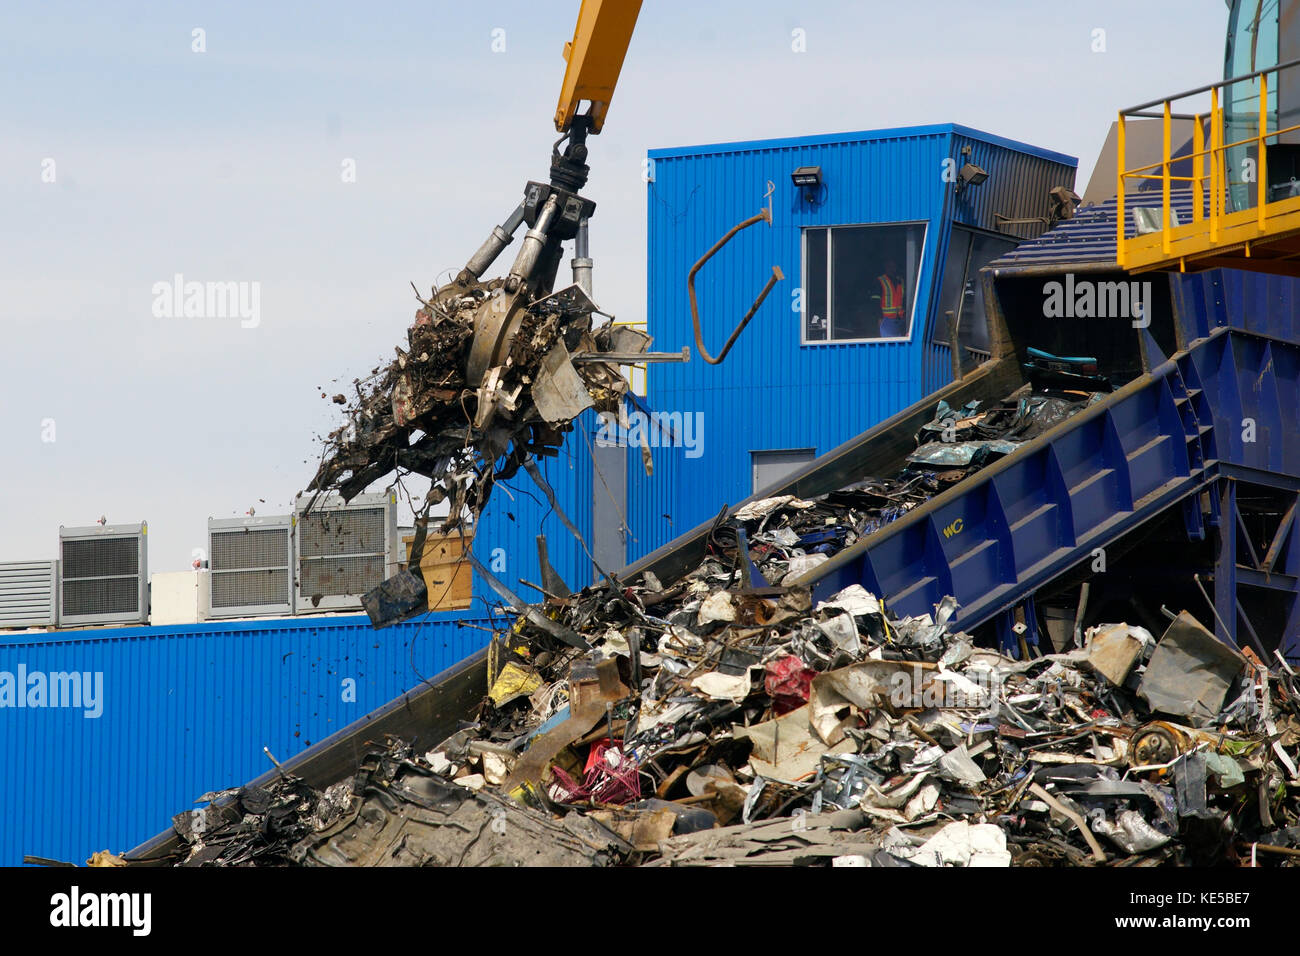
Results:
<point x="892" y="323"/>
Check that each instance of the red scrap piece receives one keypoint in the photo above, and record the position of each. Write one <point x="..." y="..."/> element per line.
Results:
<point x="788" y="682"/>
<point x="610" y="776"/>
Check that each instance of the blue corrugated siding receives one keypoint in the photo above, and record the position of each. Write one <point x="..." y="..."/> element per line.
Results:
<point x="938" y="367"/>
<point x="1017" y="188"/>
<point x="518" y="512"/>
<point x="772" y="392"/>
<point x="186" y="710"/>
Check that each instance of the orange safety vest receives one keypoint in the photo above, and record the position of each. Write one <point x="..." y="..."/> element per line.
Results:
<point x="891" y="298"/>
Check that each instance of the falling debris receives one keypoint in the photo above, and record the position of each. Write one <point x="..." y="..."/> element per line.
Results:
<point x="434" y="412"/>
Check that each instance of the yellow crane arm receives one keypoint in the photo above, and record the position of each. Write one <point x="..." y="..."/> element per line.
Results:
<point x="595" y="57"/>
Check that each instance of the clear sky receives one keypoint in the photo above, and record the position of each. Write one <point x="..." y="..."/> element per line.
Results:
<point x="228" y="166"/>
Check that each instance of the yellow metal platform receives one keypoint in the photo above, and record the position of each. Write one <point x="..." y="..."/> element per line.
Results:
<point x="1264" y="237"/>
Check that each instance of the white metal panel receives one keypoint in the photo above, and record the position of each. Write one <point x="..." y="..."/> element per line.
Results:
<point x="104" y="574"/>
<point x="29" y="593"/>
<point x="343" y="550"/>
<point x="251" y="560"/>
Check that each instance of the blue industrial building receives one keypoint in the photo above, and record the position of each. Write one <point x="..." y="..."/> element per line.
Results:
<point x="814" y="367"/>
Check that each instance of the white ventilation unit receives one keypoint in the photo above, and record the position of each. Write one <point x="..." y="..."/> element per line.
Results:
<point x="343" y="550"/>
<point x="251" y="564"/>
<point x="29" y="594"/>
<point x="104" y="574"/>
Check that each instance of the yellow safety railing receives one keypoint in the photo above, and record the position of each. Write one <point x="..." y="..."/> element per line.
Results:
<point x="1213" y="225"/>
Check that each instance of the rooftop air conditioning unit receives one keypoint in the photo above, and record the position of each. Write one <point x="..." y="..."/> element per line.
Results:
<point x="29" y="593"/>
<point x="104" y="574"/>
<point x="251" y="565"/>
<point x="343" y="550"/>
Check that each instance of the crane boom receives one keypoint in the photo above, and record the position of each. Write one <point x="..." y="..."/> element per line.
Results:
<point x="595" y="58"/>
<point x="554" y="211"/>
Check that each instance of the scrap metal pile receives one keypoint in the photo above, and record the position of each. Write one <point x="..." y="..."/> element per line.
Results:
<point x="393" y="812"/>
<point x="726" y="718"/>
<point x="969" y="439"/>
<point x="434" y="412"/>
<point x="705" y="725"/>
<point x="709" y="722"/>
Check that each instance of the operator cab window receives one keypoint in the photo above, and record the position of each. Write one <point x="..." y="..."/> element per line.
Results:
<point x="859" y="281"/>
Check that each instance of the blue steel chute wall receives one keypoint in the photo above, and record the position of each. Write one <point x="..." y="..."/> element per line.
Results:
<point x="188" y="709"/>
<point x="1251" y="301"/>
<point x="1199" y="432"/>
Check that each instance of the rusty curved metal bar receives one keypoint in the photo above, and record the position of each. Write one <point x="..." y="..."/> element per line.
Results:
<point x="777" y="275"/>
